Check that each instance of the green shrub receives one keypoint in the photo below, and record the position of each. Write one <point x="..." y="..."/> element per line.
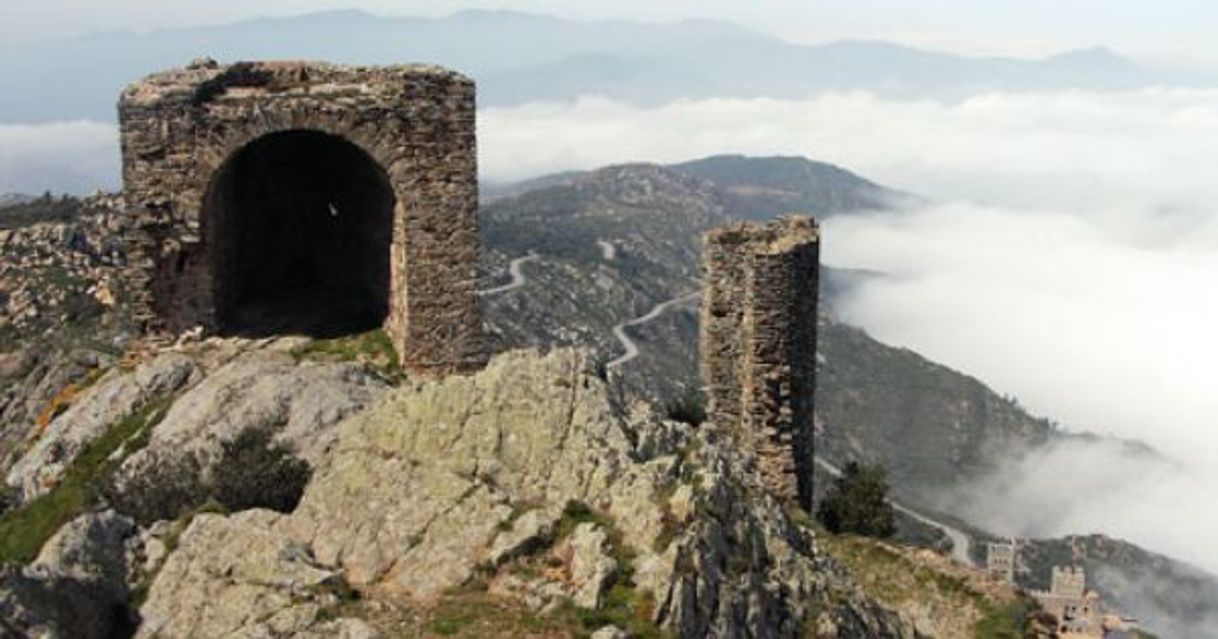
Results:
<point x="858" y="503"/>
<point x="255" y="472"/>
<point x="24" y="530"/>
<point x="689" y="408"/>
<point x="252" y="472"/>
<point x="167" y="488"/>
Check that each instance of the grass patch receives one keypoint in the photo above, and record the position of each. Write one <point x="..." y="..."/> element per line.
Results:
<point x="1002" y="622"/>
<point x="623" y="607"/>
<point x="373" y="348"/>
<point x="477" y="615"/>
<point x="576" y="513"/>
<point x="23" y="531"/>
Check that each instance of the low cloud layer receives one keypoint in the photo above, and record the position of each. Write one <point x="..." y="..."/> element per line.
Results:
<point x="1069" y="261"/>
<point x="75" y="157"/>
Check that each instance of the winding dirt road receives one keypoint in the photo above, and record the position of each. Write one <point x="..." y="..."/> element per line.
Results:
<point x="619" y="331"/>
<point x="518" y="277"/>
<point x="961" y="543"/>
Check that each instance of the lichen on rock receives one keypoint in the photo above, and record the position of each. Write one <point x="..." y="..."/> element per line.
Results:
<point x="472" y="479"/>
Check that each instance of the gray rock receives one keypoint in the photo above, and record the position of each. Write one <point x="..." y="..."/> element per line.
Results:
<point x="261" y="389"/>
<point x="610" y="632"/>
<point x="235" y="577"/>
<point x="76" y="588"/>
<point x="91" y="548"/>
<point x="525" y="430"/>
<point x="114" y="397"/>
<point x="531" y="531"/>
<point x="592" y="569"/>
<point x="417" y="494"/>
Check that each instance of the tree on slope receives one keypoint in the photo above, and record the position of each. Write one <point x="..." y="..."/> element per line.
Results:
<point x="858" y="503"/>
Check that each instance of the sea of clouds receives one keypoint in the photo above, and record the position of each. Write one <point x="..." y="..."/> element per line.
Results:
<point x="1068" y="256"/>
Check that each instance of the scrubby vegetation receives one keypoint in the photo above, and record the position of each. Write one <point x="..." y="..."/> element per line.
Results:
<point x="255" y="472"/>
<point x="373" y="348"/>
<point x="893" y="577"/>
<point x="689" y="408"/>
<point x="47" y="208"/>
<point x="252" y="472"/>
<point x="858" y="503"/>
<point x="24" y="530"/>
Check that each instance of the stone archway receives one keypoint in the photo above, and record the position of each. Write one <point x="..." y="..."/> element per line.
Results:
<point x="300" y="223"/>
<point x="270" y="198"/>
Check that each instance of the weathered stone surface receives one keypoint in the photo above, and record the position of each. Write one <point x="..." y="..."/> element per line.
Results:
<point x="466" y="477"/>
<point x="261" y="389"/>
<point x="610" y="632"/>
<point x="531" y="531"/>
<point x="184" y="133"/>
<point x="464" y="452"/>
<point x="91" y="548"/>
<point x="758" y="343"/>
<point x="76" y="588"/>
<point x="527" y="430"/>
<point x="114" y="397"/>
<point x="234" y="577"/>
<point x="592" y="569"/>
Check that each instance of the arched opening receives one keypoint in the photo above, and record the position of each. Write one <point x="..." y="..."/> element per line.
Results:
<point x="299" y="225"/>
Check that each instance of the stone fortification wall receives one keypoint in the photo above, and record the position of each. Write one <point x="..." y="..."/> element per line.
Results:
<point x="758" y="343"/>
<point x="181" y="130"/>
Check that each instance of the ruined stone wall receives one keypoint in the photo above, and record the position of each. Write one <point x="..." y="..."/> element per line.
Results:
<point x="1000" y="562"/>
<point x="758" y="343"/>
<point x="180" y="127"/>
<point x="1068" y="581"/>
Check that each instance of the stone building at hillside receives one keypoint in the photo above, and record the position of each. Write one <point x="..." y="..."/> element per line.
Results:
<point x="1076" y="609"/>
<point x="1000" y="561"/>
<point x="758" y="343"/>
<point x="291" y="197"/>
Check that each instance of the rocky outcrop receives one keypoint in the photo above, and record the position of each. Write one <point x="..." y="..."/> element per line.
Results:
<point x="530" y="462"/>
<point x="117" y="395"/>
<point x="76" y="588"/>
<point x="261" y="389"/>
<point x="28" y="391"/>
<point x="233" y="577"/>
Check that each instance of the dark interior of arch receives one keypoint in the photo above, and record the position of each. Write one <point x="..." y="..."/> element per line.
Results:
<point x="299" y="225"/>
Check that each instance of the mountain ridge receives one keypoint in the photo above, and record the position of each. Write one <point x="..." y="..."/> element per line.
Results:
<point x="525" y="57"/>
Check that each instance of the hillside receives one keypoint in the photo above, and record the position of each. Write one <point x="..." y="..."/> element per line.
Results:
<point x="871" y="395"/>
<point x="932" y="427"/>
<point x="312" y="488"/>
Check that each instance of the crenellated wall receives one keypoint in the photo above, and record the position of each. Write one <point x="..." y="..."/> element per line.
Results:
<point x="758" y="343"/>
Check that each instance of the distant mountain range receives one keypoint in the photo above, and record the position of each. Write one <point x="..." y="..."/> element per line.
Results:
<point x="519" y="58"/>
<point x="12" y="199"/>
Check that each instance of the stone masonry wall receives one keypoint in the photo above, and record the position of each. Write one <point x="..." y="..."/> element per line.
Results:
<point x="758" y="343"/>
<point x="180" y="127"/>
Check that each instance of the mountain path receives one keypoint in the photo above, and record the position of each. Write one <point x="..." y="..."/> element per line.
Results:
<point x="619" y="331"/>
<point x="518" y="277"/>
<point x="961" y="543"/>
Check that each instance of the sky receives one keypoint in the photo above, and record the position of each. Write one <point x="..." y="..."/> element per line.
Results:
<point x="1176" y="32"/>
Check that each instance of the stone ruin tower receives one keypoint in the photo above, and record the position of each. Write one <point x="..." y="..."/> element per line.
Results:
<point x="303" y="198"/>
<point x="758" y="344"/>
